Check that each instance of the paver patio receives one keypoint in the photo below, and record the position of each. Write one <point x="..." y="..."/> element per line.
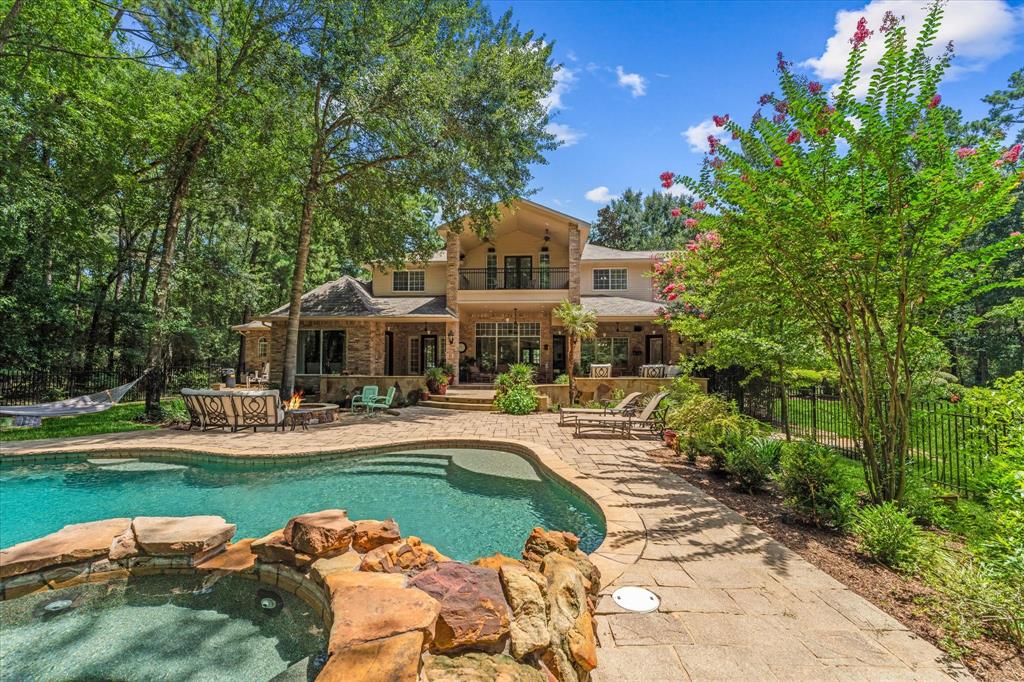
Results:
<point x="735" y="603"/>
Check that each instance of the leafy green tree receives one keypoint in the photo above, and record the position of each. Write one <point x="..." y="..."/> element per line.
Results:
<point x="860" y="209"/>
<point x="412" y="110"/>
<point x="634" y="222"/>
<point x="579" y="324"/>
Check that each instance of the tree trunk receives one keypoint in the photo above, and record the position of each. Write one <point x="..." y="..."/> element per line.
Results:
<point x="147" y="264"/>
<point x="309" y="199"/>
<point x="8" y="23"/>
<point x="571" y="364"/>
<point x="246" y="316"/>
<point x="784" y="401"/>
<point x="155" y="350"/>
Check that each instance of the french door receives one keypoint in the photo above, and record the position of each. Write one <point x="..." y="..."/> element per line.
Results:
<point x="518" y="272"/>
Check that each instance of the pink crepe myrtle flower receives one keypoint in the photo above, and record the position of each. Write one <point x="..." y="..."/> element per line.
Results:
<point x="829" y="109"/>
<point x="822" y="132"/>
<point x="699" y="205"/>
<point x="782" y="106"/>
<point x="964" y="152"/>
<point x="781" y="62"/>
<point x="778" y="118"/>
<point x="889" y="22"/>
<point x="1012" y="154"/>
<point x="744" y="177"/>
<point x="862" y="33"/>
<point x="717" y="163"/>
<point x="777" y="162"/>
<point x="676" y="212"/>
<point x="672" y="297"/>
<point x="720" y="120"/>
<point x="690" y="222"/>
<point x="735" y="135"/>
<point x="1015" y="233"/>
<point x="814" y="87"/>
<point x="666" y="179"/>
<point x="935" y="101"/>
<point x="713" y="143"/>
<point x="765" y="98"/>
<point x="692" y="246"/>
<point x="669" y="287"/>
<point x="793" y="137"/>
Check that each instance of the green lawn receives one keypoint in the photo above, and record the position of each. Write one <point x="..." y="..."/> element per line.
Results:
<point x="118" y="418"/>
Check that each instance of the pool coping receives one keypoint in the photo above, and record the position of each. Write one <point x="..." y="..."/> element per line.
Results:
<point x="620" y="519"/>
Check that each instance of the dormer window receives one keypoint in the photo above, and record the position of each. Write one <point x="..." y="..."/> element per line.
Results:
<point x="407" y="280"/>
<point x="610" y="279"/>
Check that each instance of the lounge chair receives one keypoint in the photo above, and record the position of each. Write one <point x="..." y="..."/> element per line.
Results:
<point x="651" y="419"/>
<point x="625" y="407"/>
<point x="366" y="398"/>
<point x="382" y="402"/>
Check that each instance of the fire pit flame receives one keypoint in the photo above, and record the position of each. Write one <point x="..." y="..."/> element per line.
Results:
<point x="295" y="401"/>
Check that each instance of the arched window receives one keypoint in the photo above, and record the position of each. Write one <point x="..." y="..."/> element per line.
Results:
<point x="261" y="347"/>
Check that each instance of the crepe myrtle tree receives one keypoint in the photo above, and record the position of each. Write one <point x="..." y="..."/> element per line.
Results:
<point x="860" y="209"/>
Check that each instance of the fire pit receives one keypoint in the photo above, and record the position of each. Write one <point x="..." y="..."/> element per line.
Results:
<point x="305" y="414"/>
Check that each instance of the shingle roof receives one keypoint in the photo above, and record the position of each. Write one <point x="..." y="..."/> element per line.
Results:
<point x="254" y="325"/>
<point x="617" y="306"/>
<point x="348" y="297"/>
<point x="595" y="252"/>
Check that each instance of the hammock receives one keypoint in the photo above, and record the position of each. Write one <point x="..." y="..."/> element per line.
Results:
<point x="31" y="415"/>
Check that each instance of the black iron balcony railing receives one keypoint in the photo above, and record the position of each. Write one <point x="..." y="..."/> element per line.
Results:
<point x="522" y="278"/>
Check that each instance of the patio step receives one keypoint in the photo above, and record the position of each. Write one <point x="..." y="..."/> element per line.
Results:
<point x="457" y="397"/>
<point x="475" y="406"/>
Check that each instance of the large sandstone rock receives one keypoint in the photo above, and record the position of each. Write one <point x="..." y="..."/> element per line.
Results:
<point x="474" y="613"/>
<point x="370" y="535"/>
<point x="342" y="580"/>
<point x="273" y="549"/>
<point x="525" y="592"/>
<point x="319" y="533"/>
<point x="477" y="667"/>
<point x="542" y="542"/>
<point x="573" y="651"/>
<point x="342" y="563"/>
<point x="181" y="535"/>
<point x="71" y="544"/>
<point x="406" y="556"/>
<point x="365" y="614"/>
<point x="124" y="545"/>
<point x="391" y="659"/>
<point x="237" y="558"/>
<point x="496" y="561"/>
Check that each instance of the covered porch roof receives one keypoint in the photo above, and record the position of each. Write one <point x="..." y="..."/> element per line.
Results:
<point x="347" y="297"/>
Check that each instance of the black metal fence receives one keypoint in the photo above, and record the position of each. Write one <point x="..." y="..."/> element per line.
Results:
<point x="948" y="442"/>
<point x="28" y="387"/>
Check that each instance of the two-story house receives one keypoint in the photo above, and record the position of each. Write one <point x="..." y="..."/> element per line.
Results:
<point x="479" y="305"/>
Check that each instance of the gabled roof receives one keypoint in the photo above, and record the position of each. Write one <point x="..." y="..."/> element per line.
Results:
<point x="617" y="306"/>
<point x="595" y="252"/>
<point x="348" y="297"/>
<point x="252" y="326"/>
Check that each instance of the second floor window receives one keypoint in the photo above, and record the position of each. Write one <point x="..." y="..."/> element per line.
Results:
<point x="407" y="280"/>
<point x="609" y="279"/>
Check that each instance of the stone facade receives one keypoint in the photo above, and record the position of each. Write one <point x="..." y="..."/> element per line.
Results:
<point x="252" y="359"/>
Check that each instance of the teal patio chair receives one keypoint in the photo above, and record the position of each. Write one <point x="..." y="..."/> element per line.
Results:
<point x="365" y="399"/>
<point x="382" y="402"/>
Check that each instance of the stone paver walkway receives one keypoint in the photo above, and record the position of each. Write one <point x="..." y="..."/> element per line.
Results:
<point x="735" y="604"/>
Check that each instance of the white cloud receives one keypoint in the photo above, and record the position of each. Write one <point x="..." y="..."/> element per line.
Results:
<point x="633" y="81"/>
<point x="564" y="134"/>
<point x="676" y="191"/>
<point x="981" y="33"/>
<point x="571" y="56"/>
<point x="697" y="135"/>
<point x="564" y="79"/>
<point x="600" y="195"/>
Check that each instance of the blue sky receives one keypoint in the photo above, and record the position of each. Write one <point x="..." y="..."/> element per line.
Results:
<point x="638" y="75"/>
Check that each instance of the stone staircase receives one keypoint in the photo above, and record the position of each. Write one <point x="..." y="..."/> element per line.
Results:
<point x="466" y="400"/>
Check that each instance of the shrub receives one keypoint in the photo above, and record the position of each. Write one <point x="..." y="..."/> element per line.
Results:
<point x="193" y="378"/>
<point x="682" y="389"/>
<point x="814" y="484"/>
<point x="709" y="425"/>
<point x="919" y="503"/>
<point x="513" y="390"/>
<point x="562" y="379"/>
<point x="888" y="535"/>
<point x="753" y="462"/>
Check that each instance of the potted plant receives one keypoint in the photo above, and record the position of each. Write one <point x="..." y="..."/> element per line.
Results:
<point x="437" y="380"/>
<point x="671" y="438"/>
<point x="450" y="371"/>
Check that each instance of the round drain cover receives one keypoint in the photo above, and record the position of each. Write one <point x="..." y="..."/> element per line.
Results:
<point x="636" y="599"/>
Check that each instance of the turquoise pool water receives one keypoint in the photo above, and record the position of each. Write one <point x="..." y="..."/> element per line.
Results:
<point x="160" y="628"/>
<point x="468" y="503"/>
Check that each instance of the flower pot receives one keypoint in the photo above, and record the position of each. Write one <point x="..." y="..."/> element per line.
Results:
<point x="670" y="438"/>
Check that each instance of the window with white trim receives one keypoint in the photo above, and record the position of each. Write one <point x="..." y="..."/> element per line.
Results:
<point x="261" y="347"/>
<point x="414" y="355"/>
<point x="610" y="279"/>
<point x="407" y="280"/>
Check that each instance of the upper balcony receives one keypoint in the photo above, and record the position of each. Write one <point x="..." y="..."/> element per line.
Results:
<point x="518" y="279"/>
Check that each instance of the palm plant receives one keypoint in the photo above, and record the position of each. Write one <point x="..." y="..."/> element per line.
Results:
<point x="579" y="324"/>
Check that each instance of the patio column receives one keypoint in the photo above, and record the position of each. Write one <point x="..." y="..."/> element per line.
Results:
<point x="451" y="348"/>
<point x="377" y="359"/>
<point x="451" y="291"/>
<point x="575" y="251"/>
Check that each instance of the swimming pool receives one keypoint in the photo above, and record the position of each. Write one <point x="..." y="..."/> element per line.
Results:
<point x="466" y="502"/>
<point x="160" y="628"/>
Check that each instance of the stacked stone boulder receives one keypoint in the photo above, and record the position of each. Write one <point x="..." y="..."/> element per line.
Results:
<point x="395" y="607"/>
